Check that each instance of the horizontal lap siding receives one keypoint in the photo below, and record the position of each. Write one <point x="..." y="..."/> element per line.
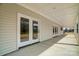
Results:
<point x="7" y="30"/>
<point x="46" y="30"/>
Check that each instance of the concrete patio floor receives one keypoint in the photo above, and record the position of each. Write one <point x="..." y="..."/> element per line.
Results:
<point x="64" y="45"/>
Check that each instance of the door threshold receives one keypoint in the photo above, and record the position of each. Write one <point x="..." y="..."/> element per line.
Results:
<point x="29" y="45"/>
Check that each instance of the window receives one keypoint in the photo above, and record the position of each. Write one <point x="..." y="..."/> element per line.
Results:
<point x="53" y="30"/>
<point x="61" y="29"/>
<point x="57" y="30"/>
<point x="24" y="29"/>
<point x="35" y="30"/>
<point x="77" y="28"/>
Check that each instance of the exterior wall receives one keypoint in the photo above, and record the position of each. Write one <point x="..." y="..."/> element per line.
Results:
<point x="60" y="32"/>
<point x="7" y="29"/>
<point x="75" y="29"/>
<point x="46" y="30"/>
<point x="76" y="22"/>
<point x="8" y="26"/>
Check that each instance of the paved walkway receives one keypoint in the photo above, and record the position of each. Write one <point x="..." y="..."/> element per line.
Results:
<point x="67" y="46"/>
<point x="62" y="45"/>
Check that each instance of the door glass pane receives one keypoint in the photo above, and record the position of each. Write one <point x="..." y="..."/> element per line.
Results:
<point x="24" y="29"/>
<point x="35" y="30"/>
<point x="53" y="30"/>
<point x="77" y="28"/>
<point x="61" y="28"/>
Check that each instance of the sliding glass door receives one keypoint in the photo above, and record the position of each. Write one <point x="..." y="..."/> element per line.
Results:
<point x="24" y="31"/>
<point x="27" y="30"/>
<point x="35" y="31"/>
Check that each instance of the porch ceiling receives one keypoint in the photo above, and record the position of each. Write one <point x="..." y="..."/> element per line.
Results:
<point x="61" y="13"/>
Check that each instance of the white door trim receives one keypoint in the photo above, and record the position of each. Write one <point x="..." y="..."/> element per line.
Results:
<point x="30" y="30"/>
<point x="19" y="44"/>
<point x="35" y="40"/>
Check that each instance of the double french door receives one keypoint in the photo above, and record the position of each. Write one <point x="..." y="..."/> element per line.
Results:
<point x="27" y="30"/>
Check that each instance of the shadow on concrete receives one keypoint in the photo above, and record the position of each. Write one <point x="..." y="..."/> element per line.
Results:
<point x="36" y="49"/>
<point x="68" y="44"/>
<point x="52" y="41"/>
